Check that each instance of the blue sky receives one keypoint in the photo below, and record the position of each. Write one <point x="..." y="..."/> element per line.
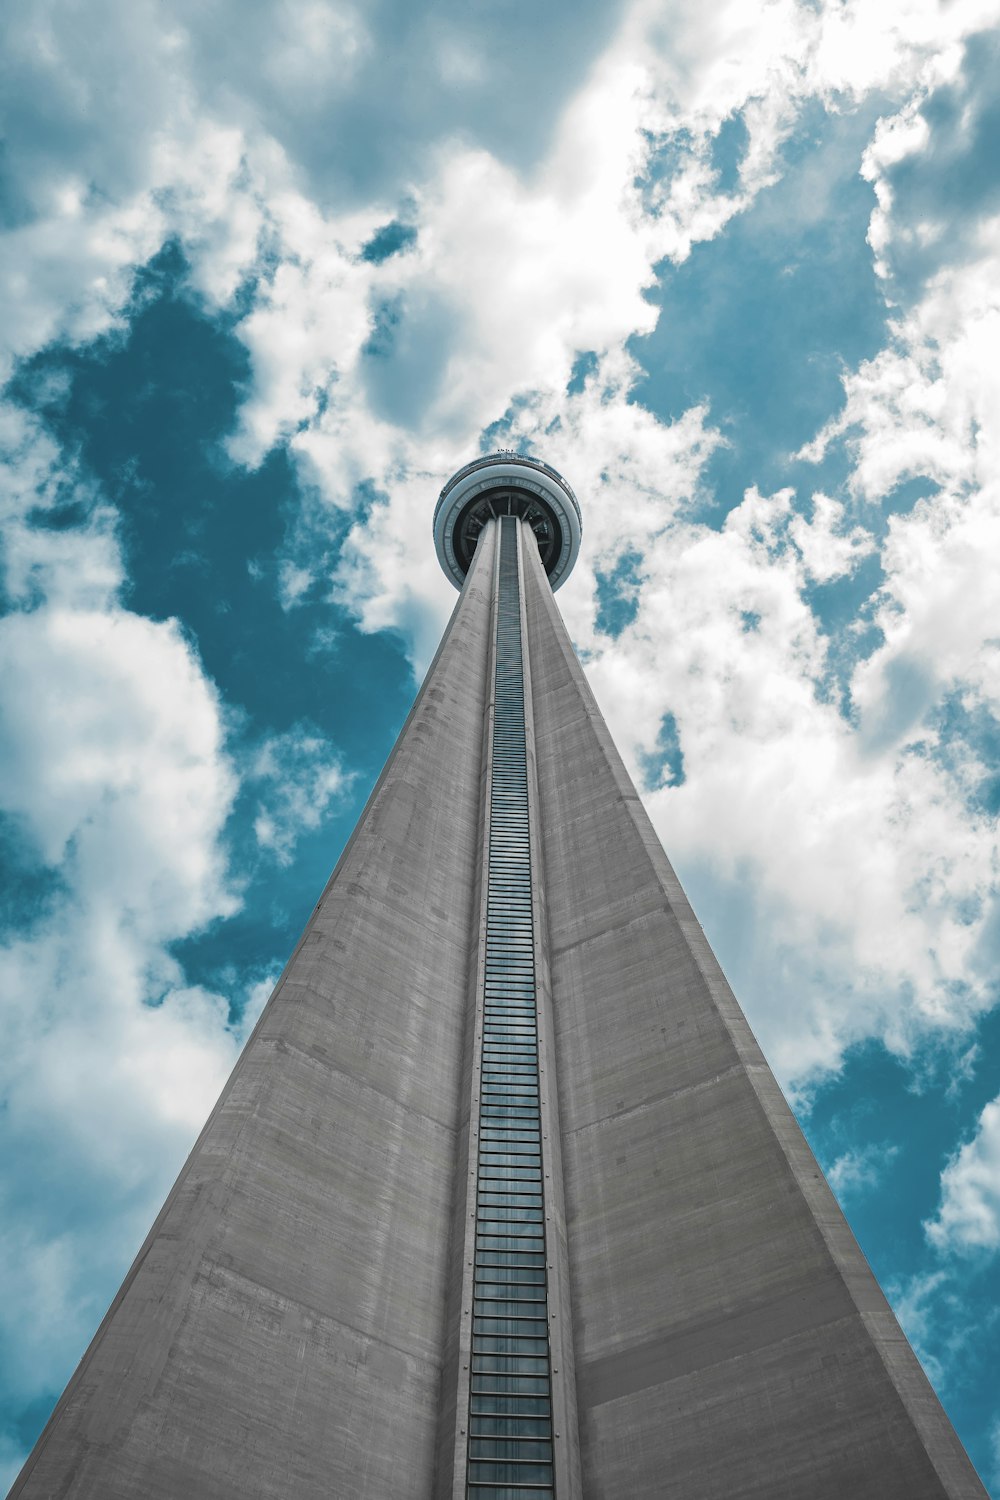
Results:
<point x="268" y="276"/>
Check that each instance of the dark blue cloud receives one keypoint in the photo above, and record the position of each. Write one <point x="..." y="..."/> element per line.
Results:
<point x="357" y="101"/>
<point x="497" y="75"/>
<point x="81" y="92"/>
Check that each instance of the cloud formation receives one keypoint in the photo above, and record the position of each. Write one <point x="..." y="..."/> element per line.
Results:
<point x="969" y="1215"/>
<point x="296" y="776"/>
<point x="116" y="783"/>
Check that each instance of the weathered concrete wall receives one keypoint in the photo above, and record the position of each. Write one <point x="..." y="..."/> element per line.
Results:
<point x="730" y="1338"/>
<point x="281" y="1332"/>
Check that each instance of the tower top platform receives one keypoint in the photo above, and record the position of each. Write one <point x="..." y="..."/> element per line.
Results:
<point x="501" y="484"/>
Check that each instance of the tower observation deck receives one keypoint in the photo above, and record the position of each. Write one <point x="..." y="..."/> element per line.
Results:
<point x="507" y="484"/>
<point x="502" y="1201"/>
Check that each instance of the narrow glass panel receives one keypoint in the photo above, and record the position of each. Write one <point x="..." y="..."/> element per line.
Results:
<point x="516" y="1347"/>
<point x="520" y="1327"/>
<point x="501" y="1172"/>
<point x="490" y="1383"/>
<point x="508" y="1114"/>
<point x="509" y="1364"/>
<point x="498" y="1408"/>
<point x="509" y="1258"/>
<point x="510" y="1473"/>
<point x="512" y="1215"/>
<point x="525" y="1243"/>
<point x="507" y="1220"/>
<point x="507" y="1307"/>
<point x="512" y="1133"/>
<point x="506" y="1447"/>
<point x="494" y="1279"/>
<point x="510" y="1156"/>
<point x="510" y="1491"/>
<point x="500" y="1310"/>
<point x="506" y="1427"/>
<point x="516" y="1197"/>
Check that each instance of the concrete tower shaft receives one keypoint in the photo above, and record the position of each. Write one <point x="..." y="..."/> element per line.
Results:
<point x="502" y="1201"/>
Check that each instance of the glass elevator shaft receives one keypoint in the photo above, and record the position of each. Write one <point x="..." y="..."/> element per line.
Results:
<point x="510" y="1417"/>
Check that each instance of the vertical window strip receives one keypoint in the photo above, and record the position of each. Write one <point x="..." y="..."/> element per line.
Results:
<point x="510" y="1413"/>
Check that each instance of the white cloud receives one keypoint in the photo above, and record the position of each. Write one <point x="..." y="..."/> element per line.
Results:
<point x="864" y="864"/>
<point x="115" y="760"/>
<point x="293" y="583"/>
<point x="861" y="1168"/>
<point x="827" y="547"/>
<point x="307" y="325"/>
<point x="969" y="1214"/>
<point x="78" y="566"/>
<point x="924" y="408"/>
<point x="297" y="776"/>
<point x="513" y="276"/>
<point x="198" y="149"/>
<point x="951" y="1324"/>
<point x="115" y="774"/>
<point x="922" y="1304"/>
<point x="69" y="275"/>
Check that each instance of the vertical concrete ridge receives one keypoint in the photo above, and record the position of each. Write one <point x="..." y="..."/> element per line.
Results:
<point x="730" y="1337"/>
<point x="568" y="1473"/>
<point x="452" y="1459"/>
<point x="282" y="1329"/>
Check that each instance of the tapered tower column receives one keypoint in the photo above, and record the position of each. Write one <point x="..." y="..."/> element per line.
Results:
<point x="502" y="1201"/>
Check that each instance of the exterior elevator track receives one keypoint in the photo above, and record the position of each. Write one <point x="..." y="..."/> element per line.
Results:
<point x="510" y="1403"/>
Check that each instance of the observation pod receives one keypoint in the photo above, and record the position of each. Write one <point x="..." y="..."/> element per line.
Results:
<point x="507" y="483"/>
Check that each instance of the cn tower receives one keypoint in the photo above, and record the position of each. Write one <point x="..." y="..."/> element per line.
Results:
<point x="502" y="1199"/>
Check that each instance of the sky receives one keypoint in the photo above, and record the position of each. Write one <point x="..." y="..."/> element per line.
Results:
<point x="269" y="274"/>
